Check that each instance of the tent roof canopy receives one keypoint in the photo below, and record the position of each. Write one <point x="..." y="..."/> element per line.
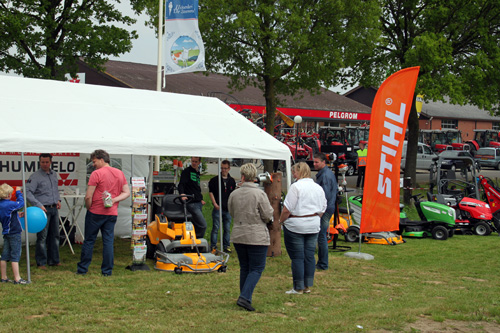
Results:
<point x="61" y="117"/>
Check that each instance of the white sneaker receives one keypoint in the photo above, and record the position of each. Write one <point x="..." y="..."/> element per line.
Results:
<point x="294" y="292"/>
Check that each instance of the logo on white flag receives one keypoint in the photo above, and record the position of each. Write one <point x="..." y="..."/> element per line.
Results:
<point x="184" y="49"/>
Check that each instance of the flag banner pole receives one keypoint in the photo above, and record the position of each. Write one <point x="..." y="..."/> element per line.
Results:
<point x="160" y="47"/>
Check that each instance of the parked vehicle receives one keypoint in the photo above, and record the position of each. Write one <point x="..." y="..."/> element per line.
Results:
<point x="454" y="159"/>
<point x="461" y="191"/>
<point x="355" y="134"/>
<point x="334" y="140"/>
<point x="425" y="156"/>
<point x="441" y="140"/>
<point x="485" y="138"/>
<point x="488" y="157"/>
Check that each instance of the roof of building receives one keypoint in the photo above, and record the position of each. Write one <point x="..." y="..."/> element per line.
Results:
<point x="453" y="111"/>
<point x="429" y="109"/>
<point x="142" y="76"/>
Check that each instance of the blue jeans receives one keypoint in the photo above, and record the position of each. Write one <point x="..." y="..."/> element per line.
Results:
<point x="226" y="226"/>
<point x="301" y="248"/>
<point x="12" y="247"/>
<point x="323" y="242"/>
<point x="47" y="240"/>
<point x="200" y="225"/>
<point x="94" y="223"/>
<point x="252" y="260"/>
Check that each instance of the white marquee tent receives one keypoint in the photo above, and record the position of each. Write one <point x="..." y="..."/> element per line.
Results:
<point x="60" y="117"/>
<point x="43" y="115"/>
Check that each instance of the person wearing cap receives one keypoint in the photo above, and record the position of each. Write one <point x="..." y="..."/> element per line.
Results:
<point x="362" y="157"/>
<point x="42" y="191"/>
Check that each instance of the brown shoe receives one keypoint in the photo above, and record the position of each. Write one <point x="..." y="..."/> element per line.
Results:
<point x="43" y="267"/>
<point x="58" y="264"/>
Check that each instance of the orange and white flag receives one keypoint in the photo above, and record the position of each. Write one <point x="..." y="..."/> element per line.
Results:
<point x="389" y="117"/>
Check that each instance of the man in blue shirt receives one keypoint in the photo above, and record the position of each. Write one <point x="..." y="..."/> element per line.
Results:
<point x="42" y="191"/>
<point x="327" y="180"/>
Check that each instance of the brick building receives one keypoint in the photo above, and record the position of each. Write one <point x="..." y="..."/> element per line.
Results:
<point x="327" y="107"/>
<point x="439" y="115"/>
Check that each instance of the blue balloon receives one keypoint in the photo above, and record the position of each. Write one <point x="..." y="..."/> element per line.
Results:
<point x="37" y="219"/>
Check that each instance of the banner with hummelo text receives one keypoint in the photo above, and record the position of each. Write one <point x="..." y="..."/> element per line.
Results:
<point x="389" y="117"/>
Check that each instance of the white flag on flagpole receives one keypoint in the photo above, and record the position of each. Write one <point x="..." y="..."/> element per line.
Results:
<point x="183" y="48"/>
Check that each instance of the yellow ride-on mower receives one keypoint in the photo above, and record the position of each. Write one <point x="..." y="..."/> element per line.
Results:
<point x="172" y="242"/>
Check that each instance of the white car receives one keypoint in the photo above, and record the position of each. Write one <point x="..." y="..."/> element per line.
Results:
<point x="424" y="156"/>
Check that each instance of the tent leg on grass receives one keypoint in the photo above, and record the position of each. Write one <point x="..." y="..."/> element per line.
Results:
<point x="28" y="270"/>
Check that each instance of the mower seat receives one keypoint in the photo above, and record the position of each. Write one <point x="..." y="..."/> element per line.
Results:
<point x="173" y="211"/>
<point x="343" y="210"/>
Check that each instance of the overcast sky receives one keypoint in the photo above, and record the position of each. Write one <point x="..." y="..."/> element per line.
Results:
<point x="145" y="49"/>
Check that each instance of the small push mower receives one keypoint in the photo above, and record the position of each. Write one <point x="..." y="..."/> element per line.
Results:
<point x="172" y="242"/>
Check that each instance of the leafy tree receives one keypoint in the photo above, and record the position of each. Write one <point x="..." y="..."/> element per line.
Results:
<point x="288" y="46"/>
<point x="44" y="38"/>
<point x="284" y="47"/>
<point x="456" y="43"/>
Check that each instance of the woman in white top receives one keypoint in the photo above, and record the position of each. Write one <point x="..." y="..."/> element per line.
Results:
<point x="304" y="205"/>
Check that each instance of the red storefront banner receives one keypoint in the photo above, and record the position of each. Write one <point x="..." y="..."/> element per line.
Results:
<point x="307" y="113"/>
<point x="390" y="110"/>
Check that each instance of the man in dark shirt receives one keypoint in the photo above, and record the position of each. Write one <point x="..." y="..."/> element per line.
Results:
<point x="42" y="191"/>
<point x="190" y="184"/>
<point x="227" y="185"/>
<point x="328" y="182"/>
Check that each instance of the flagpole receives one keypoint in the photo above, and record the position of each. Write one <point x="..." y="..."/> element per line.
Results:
<point x="160" y="34"/>
<point x="156" y="164"/>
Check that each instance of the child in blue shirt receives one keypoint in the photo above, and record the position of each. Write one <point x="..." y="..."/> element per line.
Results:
<point x="11" y="231"/>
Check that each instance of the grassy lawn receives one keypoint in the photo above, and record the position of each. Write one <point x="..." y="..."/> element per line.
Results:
<point x="439" y="280"/>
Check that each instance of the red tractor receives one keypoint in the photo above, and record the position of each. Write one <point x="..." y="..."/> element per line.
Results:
<point x="335" y="140"/>
<point x="298" y="147"/>
<point x="485" y="138"/>
<point x="445" y="139"/>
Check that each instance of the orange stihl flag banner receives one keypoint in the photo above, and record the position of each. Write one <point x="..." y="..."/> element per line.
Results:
<point x="285" y="118"/>
<point x="389" y="117"/>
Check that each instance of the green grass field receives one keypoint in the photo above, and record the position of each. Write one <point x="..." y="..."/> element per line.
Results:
<point x="455" y="279"/>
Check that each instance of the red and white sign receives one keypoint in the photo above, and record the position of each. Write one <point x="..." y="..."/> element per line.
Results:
<point x="65" y="164"/>
<point x="308" y="113"/>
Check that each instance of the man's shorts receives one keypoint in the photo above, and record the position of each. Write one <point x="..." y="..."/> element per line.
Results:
<point x="12" y="247"/>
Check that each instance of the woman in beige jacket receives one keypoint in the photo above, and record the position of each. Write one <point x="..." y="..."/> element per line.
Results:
<point x="251" y="212"/>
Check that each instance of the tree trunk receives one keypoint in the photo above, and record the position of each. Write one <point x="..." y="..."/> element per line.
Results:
<point x="269" y="95"/>
<point x="411" y="151"/>
<point x="273" y="191"/>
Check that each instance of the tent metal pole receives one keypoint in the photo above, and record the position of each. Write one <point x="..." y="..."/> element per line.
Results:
<point x="150" y="187"/>
<point x="28" y="271"/>
<point x="220" y="205"/>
